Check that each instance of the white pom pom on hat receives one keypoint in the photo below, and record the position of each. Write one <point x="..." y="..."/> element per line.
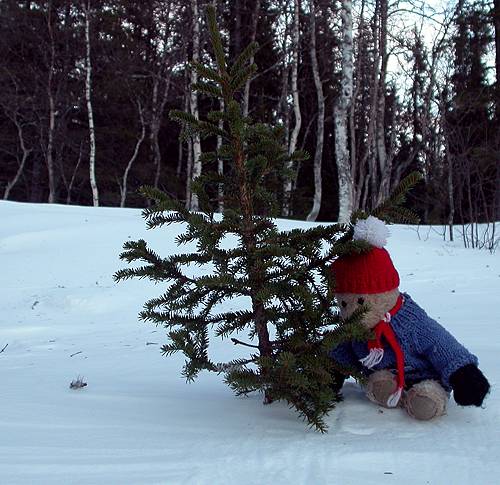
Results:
<point x="371" y="230"/>
<point x="368" y="272"/>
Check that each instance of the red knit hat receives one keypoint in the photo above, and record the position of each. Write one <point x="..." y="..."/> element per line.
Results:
<point x="370" y="272"/>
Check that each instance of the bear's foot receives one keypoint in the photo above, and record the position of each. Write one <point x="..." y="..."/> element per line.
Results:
<point x="426" y="400"/>
<point x="380" y="386"/>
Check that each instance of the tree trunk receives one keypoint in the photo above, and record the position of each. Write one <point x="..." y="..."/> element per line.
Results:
<point x="318" y="154"/>
<point x="181" y="141"/>
<point x="220" y="163"/>
<point x="451" y="189"/>
<point x="88" y="94"/>
<point x="282" y="109"/>
<point x="158" y="102"/>
<point x="123" y="187"/>
<point x="196" y="172"/>
<point x="36" y="188"/>
<point x="52" y="111"/>
<point x="189" y="170"/>
<point x="360" y="149"/>
<point x="341" y="113"/>
<point x="24" y="157"/>
<point x="156" y="117"/>
<point x="153" y="134"/>
<point x="287" y="188"/>
<point x="72" y="181"/>
<point x="496" y="19"/>
<point x="180" y="157"/>
<point x="371" y="153"/>
<point x="255" y="270"/>
<point x="384" y="163"/>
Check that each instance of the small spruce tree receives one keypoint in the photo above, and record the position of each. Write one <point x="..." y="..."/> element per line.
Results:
<point x="290" y="318"/>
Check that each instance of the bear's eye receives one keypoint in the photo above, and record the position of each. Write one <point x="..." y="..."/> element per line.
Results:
<point x="343" y="303"/>
<point x="361" y="301"/>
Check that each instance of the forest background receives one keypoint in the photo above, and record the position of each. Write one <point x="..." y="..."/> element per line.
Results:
<point x="372" y="89"/>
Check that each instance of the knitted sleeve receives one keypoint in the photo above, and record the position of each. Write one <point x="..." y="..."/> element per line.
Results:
<point x="344" y="355"/>
<point x="441" y="349"/>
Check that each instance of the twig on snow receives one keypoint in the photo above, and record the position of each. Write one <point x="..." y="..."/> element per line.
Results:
<point x="78" y="384"/>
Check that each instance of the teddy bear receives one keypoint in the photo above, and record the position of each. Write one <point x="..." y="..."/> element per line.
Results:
<point x="411" y="360"/>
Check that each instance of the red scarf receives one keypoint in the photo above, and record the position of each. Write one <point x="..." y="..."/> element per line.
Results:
<point x="376" y="354"/>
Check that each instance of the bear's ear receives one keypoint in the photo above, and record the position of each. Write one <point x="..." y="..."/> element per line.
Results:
<point x="371" y="230"/>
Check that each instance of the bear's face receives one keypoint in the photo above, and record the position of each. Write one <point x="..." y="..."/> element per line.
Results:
<point x="378" y="305"/>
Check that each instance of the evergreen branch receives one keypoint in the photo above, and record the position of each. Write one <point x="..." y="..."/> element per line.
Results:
<point x="175" y="291"/>
<point x="234" y="365"/>
<point x="351" y="329"/>
<point x="183" y="118"/>
<point x="188" y="258"/>
<point x="210" y="129"/>
<point x="390" y="210"/>
<point x="247" y="53"/>
<point x="231" y="322"/>
<point x="208" y="89"/>
<point x="243" y="381"/>
<point x="299" y="156"/>
<point x="138" y="251"/>
<point x="163" y="203"/>
<point x="240" y="78"/>
<point x="158" y="219"/>
<point x="185" y="238"/>
<point x="216" y="38"/>
<point x="206" y="72"/>
<point x="210" y="157"/>
<point x="169" y="319"/>
<point x="142" y="272"/>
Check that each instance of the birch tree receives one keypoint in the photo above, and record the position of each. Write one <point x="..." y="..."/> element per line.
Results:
<point x="161" y="87"/>
<point x="158" y="103"/>
<point x="138" y="143"/>
<point x="220" y="160"/>
<point x="358" y="107"/>
<point x="69" y="184"/>
<point x="341" y="113"/>
<point x="287" y="187"/>
<point x="384" y="161"/>
<point x="25" y="151"/>
<point x="49" y="156"/>
<point x="282" y="108"/>
<point x="90" y="112"/>
<point x="318" y="154"/>
<point x="193" y="203"/>
<point x="182" y="141"/>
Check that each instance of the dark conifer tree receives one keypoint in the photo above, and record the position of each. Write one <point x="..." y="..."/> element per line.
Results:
<point x="470" y="119"/>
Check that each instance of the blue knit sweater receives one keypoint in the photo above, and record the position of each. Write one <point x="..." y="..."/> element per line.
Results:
<point x="430" y="352"/>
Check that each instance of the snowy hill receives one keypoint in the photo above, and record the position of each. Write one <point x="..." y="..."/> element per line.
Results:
<point x="138" y="422"/>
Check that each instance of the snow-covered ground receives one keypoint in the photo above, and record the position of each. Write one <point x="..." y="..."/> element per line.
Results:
<point x="137" y="421"/>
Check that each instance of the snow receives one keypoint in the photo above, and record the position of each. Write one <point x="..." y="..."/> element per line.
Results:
<point x="138" y="422"/>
